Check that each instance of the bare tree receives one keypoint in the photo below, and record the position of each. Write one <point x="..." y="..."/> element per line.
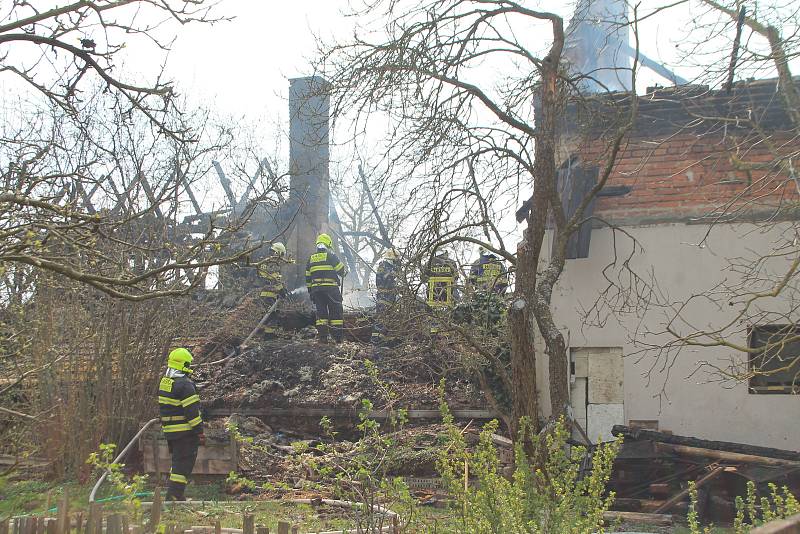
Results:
<point x="464" y="146"/>
<point x="92" y="201"/>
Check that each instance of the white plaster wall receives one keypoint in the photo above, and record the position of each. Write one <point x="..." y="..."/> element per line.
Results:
<point x="690" y="403"/>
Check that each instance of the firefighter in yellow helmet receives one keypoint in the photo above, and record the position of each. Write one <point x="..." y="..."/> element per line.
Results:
<point x="179" y="407"/>
<point x="272" y="286"/>
<point x="324" y="274"/>
<point x="440" y="276"/>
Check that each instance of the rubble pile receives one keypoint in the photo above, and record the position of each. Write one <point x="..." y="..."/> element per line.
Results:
<point x="300" y="372"/>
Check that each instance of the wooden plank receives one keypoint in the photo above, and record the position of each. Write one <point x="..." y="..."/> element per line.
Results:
<point x="728" y="457"/>
<point x="793" y="457"/>
<point x="672" y="501"/>
<point x="638" y="517"/>
<point x="347" y="413"/>
<point x="790" y="525"/>
<point x="283" y="527"/>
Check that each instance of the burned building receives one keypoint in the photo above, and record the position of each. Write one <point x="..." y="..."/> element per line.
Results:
<point x="698" y="215"/>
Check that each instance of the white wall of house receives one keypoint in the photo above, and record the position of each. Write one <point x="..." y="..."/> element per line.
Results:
<point x="681" y="399"/>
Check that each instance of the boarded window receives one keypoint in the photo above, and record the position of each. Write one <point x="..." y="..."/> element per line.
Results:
<point x="776" y="367"/>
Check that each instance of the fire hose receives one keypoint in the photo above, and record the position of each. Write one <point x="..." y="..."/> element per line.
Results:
<point x="121" y="455"/>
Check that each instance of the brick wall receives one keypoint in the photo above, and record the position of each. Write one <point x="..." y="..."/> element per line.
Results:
<point x="689" y="176"/>
<point x="677" y="158"/>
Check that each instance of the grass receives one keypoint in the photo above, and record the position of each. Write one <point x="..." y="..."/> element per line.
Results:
<point x="265" y="513"/>
<point x="19" y="497"/>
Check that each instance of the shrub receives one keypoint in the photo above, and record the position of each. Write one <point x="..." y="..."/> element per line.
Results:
<point x="553" y="496"/>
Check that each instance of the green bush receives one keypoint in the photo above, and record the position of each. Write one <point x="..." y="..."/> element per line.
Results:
<point x="751" y="511"/>
<point x="545" y="498"/>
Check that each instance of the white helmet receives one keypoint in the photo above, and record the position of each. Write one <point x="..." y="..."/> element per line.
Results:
<point x="278" y="248"/>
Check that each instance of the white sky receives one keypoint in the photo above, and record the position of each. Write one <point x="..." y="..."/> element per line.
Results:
<point x="242" y="66"/>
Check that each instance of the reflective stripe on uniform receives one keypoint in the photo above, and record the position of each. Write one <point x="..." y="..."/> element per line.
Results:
<point x="317" y="268"/>
<point x="168" y="401"/>
<point x="182" y="427"/>
<point x="337" y="322"/>
<point x="180" y="479"/>
<point x="269" y="294"/>
<point x="196" y="421"/>
<point x="321" y="322"/>
<point x="188" y="401"/>
<point x="168" y="418"/>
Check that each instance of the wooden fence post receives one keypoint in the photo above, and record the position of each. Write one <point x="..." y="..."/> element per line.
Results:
<point x="90" y="518"/>
<point x="283" y="527"/>
<point x="52" y="526"/>
<point x="248" y="522"/>
<point x="295" y="530"/>
<point x="114" y="524"/>
<point x="3" y="525"/>
<point x="260" y="529"/>
<point x="217" y="527"/>
<point x="155" y="511"/>
<point x="63" y="514"/>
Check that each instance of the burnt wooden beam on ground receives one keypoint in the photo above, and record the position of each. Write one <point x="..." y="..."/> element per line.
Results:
<point x="678" y="497"/>
<point x="687" y="441"/>
<point x="637" y="517"/>
<point x="313" y="411"/>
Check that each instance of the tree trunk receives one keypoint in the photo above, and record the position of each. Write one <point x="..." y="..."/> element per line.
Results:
<point x="547" y="193"/>
<point x="523" y="352"/>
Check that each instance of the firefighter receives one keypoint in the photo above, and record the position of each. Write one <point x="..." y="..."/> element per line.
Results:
<point x="489" y="275"/>
<point x="324" y="275"/>
<point x="386" y="281"/>
<point x="440" y="275"/>
<point x="272" y="286"/>
<point x="179" y="407"/>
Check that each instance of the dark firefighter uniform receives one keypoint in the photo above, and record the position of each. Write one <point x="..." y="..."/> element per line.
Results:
<point x="440" y="275"/>
<point x="489" y="275"/>
<point x="323" y="274"/>
<point x="386" y="279"/>
<point x="181" y="422"/>
<point x="272" y="287"/>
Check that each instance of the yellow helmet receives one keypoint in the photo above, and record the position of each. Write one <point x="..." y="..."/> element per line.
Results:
<point x="391" y="254"/>
<point x="278" y="248"/>
<point x="324" y="239"/>
<point x="180" y="359"/>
